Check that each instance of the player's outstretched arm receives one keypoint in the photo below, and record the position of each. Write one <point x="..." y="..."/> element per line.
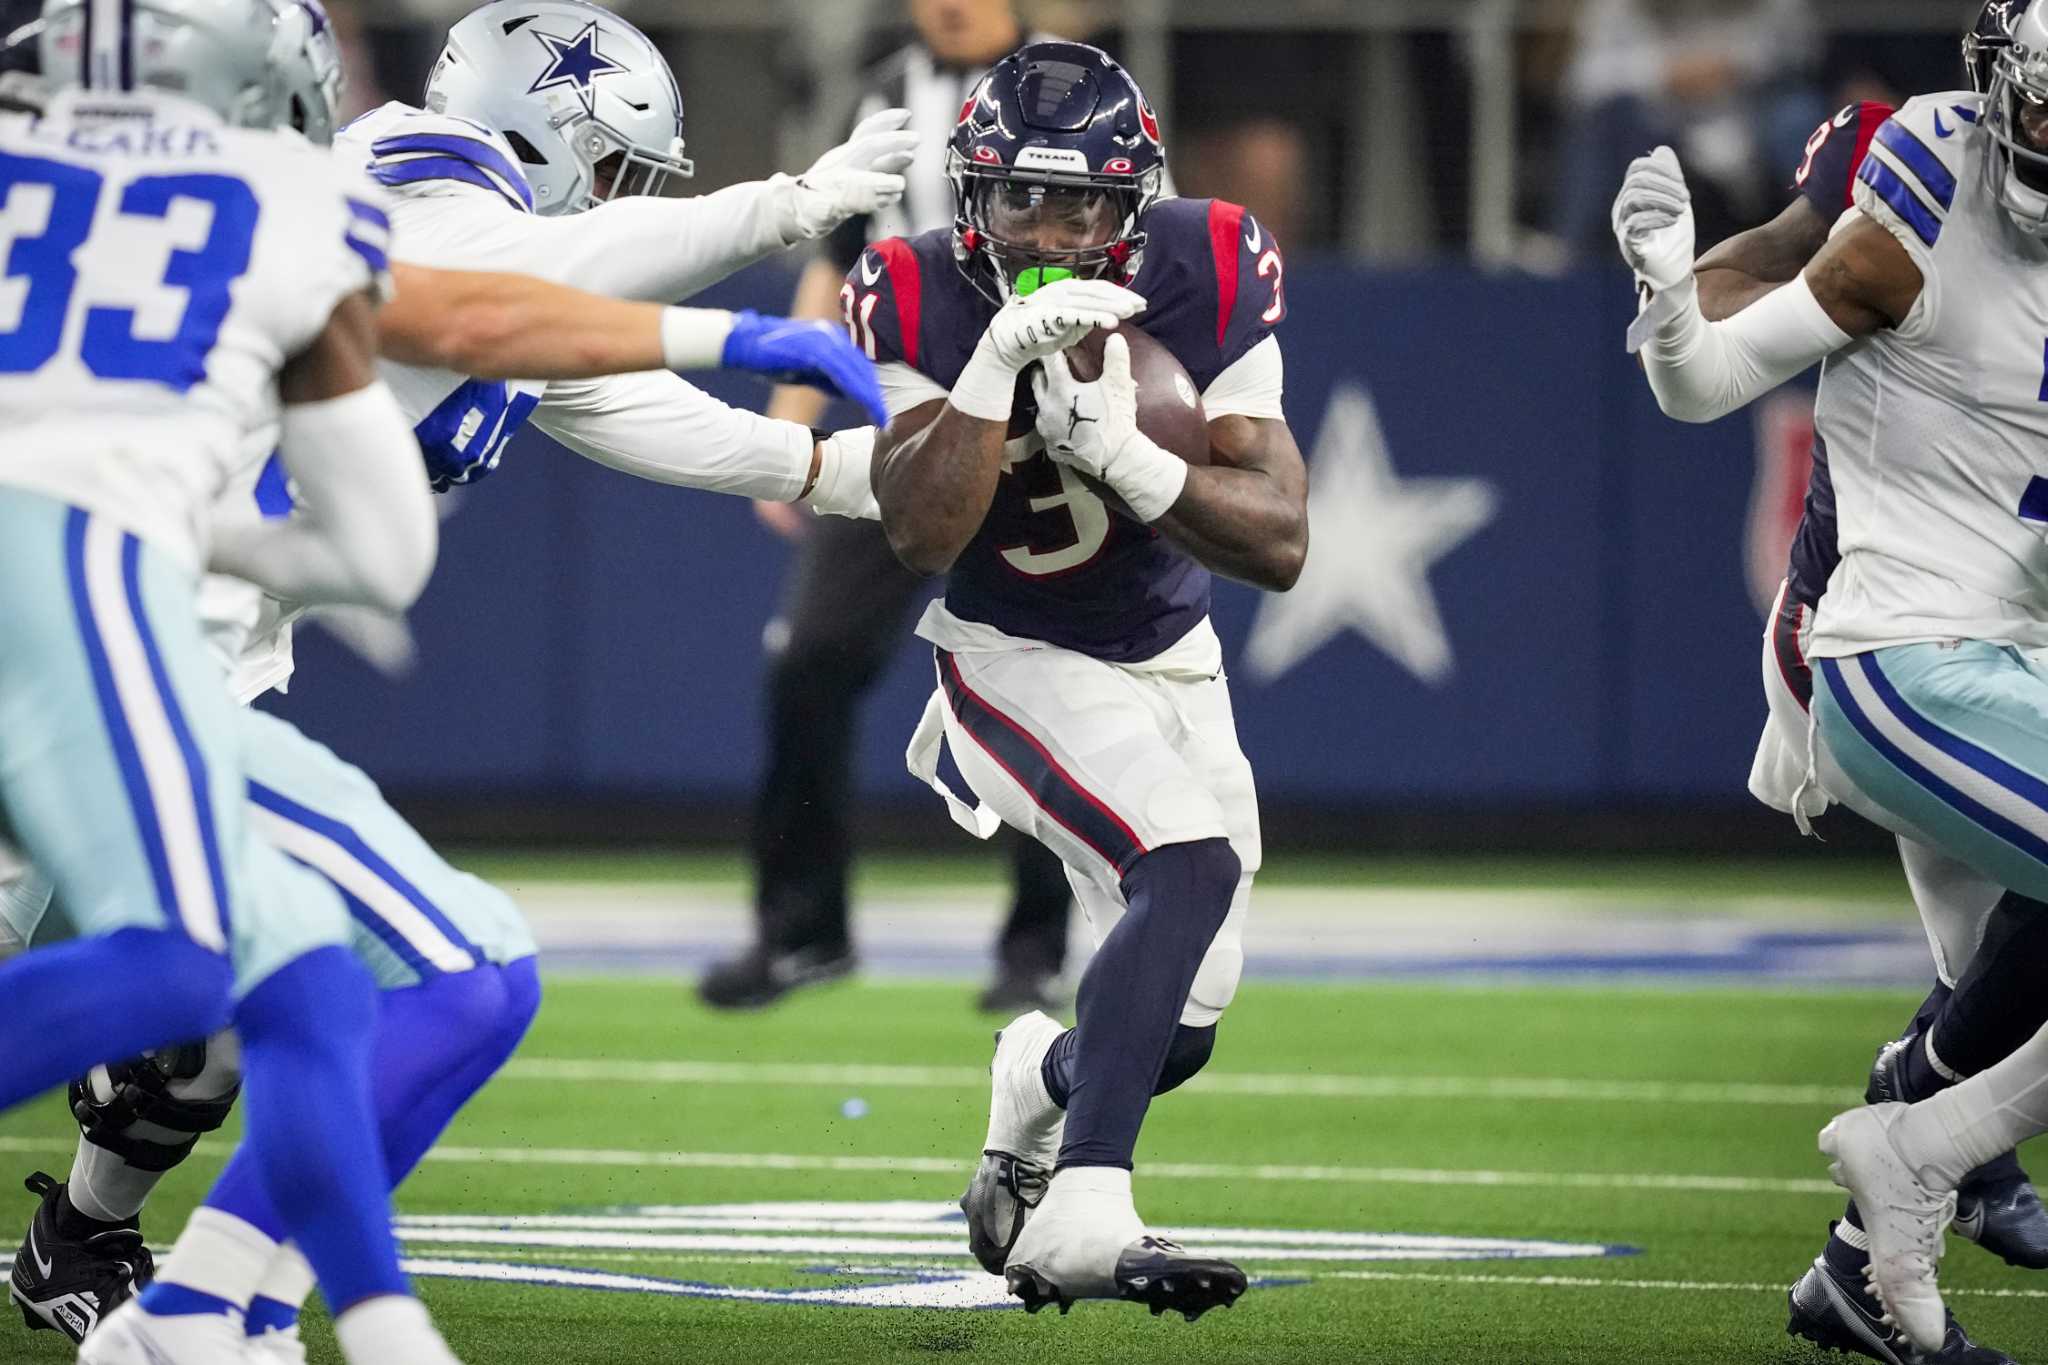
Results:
<point x="365" y="532"/>
<point x="655" y="426"/>
<point x="936" y="465"/>
<point x="1751" y="264"/>
<point x="663" y="250"/>
<point x="1861" y="280"/>
<point x="494" y="326"/>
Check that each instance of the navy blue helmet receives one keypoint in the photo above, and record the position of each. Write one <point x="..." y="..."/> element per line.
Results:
<point x="1989" y="36"/>
<point x="1054" y="161"/>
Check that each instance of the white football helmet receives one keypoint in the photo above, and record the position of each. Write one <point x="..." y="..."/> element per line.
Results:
<point x="228" y="55"/>
<point x="309" y="63"/>
<point x="587" y="102"/>
<point x="2016" y="115"/>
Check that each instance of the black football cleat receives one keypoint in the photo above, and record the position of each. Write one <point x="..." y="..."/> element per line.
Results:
<point x="2005" y="1217"/>
<point x="764" y="975"/>
<point x="72" y="1270"/>
<point x="1151" y="1271"/>
<point x="1004" y="1191"/>
<point x="1838" y="1313"/>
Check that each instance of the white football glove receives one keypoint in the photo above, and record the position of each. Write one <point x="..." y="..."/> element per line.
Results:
<point x="1029" y="328"/>
<point x="1094" y="428"/>
<point x="1653" y="221"/>
<point x="863" y="174"/>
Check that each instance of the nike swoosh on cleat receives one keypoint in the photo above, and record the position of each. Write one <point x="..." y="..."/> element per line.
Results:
<point x="35" y="1254"/>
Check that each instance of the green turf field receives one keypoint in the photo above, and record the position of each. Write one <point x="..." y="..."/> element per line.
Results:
<point x="1679" y="1123"/>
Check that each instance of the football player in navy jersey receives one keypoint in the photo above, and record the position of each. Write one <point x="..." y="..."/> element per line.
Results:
<point x="1081" y="687"/>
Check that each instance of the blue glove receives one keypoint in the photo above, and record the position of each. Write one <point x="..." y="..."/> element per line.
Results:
<point x="795" y="352"/>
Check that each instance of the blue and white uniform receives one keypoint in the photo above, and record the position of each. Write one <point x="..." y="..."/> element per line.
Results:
<point x="1931" y="643"/>
<point x="167" y="266"/>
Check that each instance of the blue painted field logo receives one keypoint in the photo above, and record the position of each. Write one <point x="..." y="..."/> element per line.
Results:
<point x="903" y="1254"/>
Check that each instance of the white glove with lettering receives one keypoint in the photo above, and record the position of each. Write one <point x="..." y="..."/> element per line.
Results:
<point x="1653" y="221"/>
<point x="863" y="174"/>
<point x="1029" y="328"/>
<point x="1094" y="428"/>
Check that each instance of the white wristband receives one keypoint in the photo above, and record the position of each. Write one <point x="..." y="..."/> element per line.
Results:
<point x="986" y="388"/>
<point x="845" y="465"/>
<point x="1149" y="479"/>
<point x="694" y="338"/>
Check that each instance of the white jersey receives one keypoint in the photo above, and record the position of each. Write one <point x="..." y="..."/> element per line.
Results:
<point x="459" y="201"/>
<point x="163" y="267"/>
<point x="1937" y="431"/>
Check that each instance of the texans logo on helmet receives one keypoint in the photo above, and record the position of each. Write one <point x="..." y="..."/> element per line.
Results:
<point x="574" y="62"/>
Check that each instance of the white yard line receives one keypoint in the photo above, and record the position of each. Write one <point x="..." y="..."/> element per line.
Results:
<point x="1595" y="1282"/>
<point x="1259" y="1084"/>
<point x="1169" y="1170"/>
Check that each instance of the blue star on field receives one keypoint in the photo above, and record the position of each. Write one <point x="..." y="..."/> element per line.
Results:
<point x="573" y="61"/>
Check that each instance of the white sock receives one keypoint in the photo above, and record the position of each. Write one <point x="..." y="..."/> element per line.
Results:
<point x="105" y="1187"/>
<point x="289" y="1280"/>
<point x="389" y="1329"/>
<point x="1953" y="1133"/>
<point x="221" y="1255"/>
<point x="1079" y="1186"/>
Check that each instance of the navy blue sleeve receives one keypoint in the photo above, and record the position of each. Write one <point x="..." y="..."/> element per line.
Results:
<point x="883" y="300"/>
<point x="1828" y="174"/>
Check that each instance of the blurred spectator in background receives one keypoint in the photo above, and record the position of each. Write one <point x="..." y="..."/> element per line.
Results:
<point x="1728" y="83"/>
<point x="847" y="607"/>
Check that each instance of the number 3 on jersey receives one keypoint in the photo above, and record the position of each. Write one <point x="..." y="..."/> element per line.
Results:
<point x="49" y="208"/>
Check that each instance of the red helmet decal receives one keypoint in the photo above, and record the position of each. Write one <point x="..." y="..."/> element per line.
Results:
<point x="1149" y="121"/>
<point x="968" y="107"/>
<point x="988" y="156"/>
<point x="1118" y="165"/>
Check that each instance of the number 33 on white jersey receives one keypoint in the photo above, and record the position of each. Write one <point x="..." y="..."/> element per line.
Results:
<point x="157" y="269"/>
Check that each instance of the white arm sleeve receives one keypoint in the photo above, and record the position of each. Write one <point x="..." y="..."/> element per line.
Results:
<point x="1703" y="370"/>
<point x="904" y="388"/>
<point x="656" y="426"/>
<point x="1252" y="386"/>
<point x="660" y="250"/>
<point x="365" y="532"/>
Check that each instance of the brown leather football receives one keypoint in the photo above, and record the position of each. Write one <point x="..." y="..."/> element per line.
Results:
<point x="1169" y="408"/>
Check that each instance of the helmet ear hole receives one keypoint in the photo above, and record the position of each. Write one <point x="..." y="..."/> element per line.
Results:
<point x="527" y="152"/>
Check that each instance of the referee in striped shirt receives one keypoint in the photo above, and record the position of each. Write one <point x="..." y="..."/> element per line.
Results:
<point x="847" y="605"/>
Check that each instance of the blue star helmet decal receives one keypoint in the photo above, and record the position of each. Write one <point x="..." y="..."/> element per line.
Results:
<point x="574" y="62"/>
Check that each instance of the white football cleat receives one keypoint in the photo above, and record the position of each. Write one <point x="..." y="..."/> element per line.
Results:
<point x="1024" y="1127"/>
<point x="283" y="1346"/>
<point x="131" y="1335"/>
<point x="1090" y="1244"/>
<point x="1904" y="1216"/>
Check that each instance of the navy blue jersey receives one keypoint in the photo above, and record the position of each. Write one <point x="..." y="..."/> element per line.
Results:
<point x="1833" y="155"/>
<point x="1051" y="562"/>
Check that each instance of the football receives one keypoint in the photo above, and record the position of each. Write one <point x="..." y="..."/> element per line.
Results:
<point x="1169" y="407"/>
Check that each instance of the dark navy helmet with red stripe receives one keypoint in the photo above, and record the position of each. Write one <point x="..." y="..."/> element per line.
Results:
<point x="1054" y="161"/>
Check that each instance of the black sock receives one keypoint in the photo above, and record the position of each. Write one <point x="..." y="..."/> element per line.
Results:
<point x="1843" y="1258"/>
<point x="1998" y="1002"/>
<point x="1132" y="994"/>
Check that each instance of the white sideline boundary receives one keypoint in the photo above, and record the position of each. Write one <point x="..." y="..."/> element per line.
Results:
<point x="1165" y="1170"/>
<point x="1257" y="1084"/>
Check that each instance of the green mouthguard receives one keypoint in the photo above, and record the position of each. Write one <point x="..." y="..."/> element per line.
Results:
<point x="1036" y="277"/>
